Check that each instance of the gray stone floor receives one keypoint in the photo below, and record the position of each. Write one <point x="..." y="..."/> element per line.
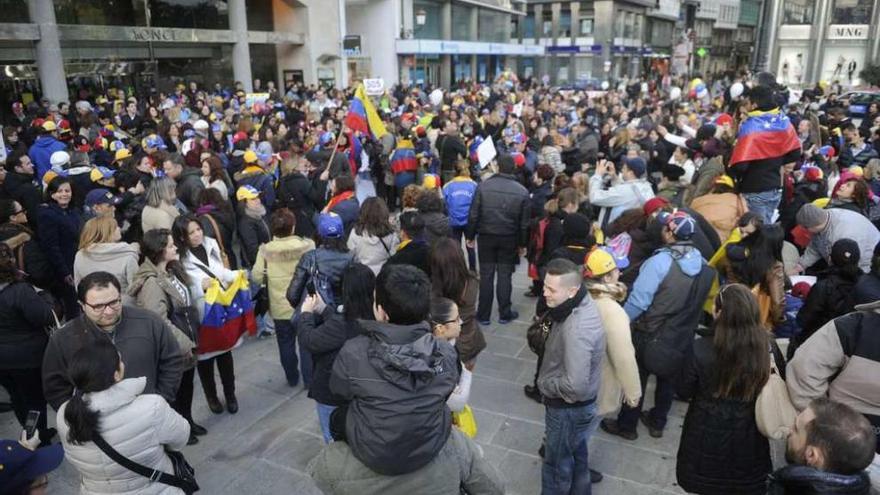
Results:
<point x="264" y="449"/>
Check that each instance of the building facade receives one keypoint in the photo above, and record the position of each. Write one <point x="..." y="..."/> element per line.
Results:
<point x="59" y="47"/>
<point x="821" y="40"/>
<point x="433" y="41"/>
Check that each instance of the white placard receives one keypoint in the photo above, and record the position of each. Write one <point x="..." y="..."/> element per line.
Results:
<point x="486" y="152"/>
<point x="374" y="87"/>
<point x="517" y="109"/>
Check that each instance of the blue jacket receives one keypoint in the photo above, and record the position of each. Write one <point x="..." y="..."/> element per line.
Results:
<point x="58" y="231"/>
<point x="652" y="273"/>
<point x="41" y="151"/>
<point x="459" y="194"/>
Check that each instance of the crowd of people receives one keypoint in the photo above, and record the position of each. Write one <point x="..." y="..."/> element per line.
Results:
<point x="723" y="241"/>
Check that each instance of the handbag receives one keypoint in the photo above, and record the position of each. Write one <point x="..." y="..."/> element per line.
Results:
<point x="774" y="412"/>
<point x="261" y="298"/>
<point x="184" y="476"/>
<point x="323" y="284"/>
<point x="537" y="334"/>
<point x="219" y="238"/>
<point x="465" y="421"/>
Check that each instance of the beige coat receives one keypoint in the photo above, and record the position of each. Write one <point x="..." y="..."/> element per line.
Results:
<point x="158" y="218"/>
<point x="721" y="210"/>
<point x="620" y="373"/>
<point x="276" y="261"/>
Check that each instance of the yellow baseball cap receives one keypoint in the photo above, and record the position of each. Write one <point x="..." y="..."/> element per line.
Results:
<point x="430" y="181"/>
<point x="49" y="126"/>
<point x="598" y="263"/>
<point x="250" y="156"/>
<point x="247" y="192"/>
<point x="822" y="202"/>
<point x="122" y="154"/>
<point x="724" y="180"/>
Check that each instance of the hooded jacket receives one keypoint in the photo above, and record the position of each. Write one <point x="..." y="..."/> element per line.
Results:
<point x="619" y="197"/>
<point x="721" y="210"/>
<point x="158" y="217"/>
<point x="117" y="258"/>
<point x="371" y="250"/>
<point x="41" y="151"/>
<point x="397" y="379"/>
<point x="152" y="290"/>
<point x="654" y="271"/>
<point x="805" y="480"/>
<point x="274" y="267"/>
<point x="138" y="426"/>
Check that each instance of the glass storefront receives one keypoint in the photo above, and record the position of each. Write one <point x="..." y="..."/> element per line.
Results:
<point x="461" y="22"/>
<point x="163" y="13"/>
<point x="100" y="12"/>
<point x="461" y="67"/>
<point x="851" y="12"/>
<point x="191" y="14"/>
<point x="259" y="15"/>
<point x="432" y="12"/>
<point x="798" y="11"/>
<point x="494" y="26"/>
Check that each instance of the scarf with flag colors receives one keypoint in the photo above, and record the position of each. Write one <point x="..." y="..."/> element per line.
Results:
<point x="404" y="157"/>
<point x="362" y="115"/>
<point x="229" y="313"/>
<point x="764" y="135"/>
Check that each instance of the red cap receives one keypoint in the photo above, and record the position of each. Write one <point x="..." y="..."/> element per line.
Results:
<point x="518" y="159"/>
<point x="724" y="119"/>
<point x="64" y="126"/>
<point x="801" y="290"/>
<point x="654" y="204"/>
<point x="813" y="174"/>
<point x="239" y="136"/>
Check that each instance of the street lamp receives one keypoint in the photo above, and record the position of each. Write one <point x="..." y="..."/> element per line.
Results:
<point x="421" y="17"/>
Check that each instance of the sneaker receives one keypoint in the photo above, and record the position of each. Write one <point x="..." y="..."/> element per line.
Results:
<point x="197" y="429"/>
<point x="485" y="323"/>
<point x="611" y="427"/>
<point x="652" y="429"/>
<point x="595" y="476"/>
<point x="231" y="404"/>
<point x="214" y="405"/>
<point x="533" y="393"/>
<point x="504" y="320"/>
<point x="192" y="439"/>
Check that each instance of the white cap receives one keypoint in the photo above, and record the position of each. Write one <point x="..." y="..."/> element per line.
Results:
<point x="200" y="125"/>
<point x="59" y="159"/>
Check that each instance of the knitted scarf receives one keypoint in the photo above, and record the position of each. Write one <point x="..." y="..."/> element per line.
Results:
<point x="561" y="312"/>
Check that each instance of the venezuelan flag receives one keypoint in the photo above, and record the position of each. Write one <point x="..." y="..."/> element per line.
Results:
<point x="229" y="313"/>
<point x="362" y="115"/>
<point x="354" y="153"/>
<point x="404" y="157"/>
<point x="764" y="136"/>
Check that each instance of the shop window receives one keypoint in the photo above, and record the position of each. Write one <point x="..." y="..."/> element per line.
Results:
<point x="201" y="14"/>
<point x="586" y="27"/>
<point x="15" y="11"/>
<point x="528" y="26"/>
<point x="798" y="11"/>
<point x="565" y="24"/>
<point x="99" y="12"/>
<point x="461" y="22"/>
<point x="851" y="12"/>
<point x="547" y="22"/>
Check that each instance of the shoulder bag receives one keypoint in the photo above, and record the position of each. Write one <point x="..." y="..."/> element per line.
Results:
<point x="261" y="298"/>
<point x="537" y="334"/>
<point x="774" y="412"/>
<point x="184" y="476"/>
<point x="218" y="236"/>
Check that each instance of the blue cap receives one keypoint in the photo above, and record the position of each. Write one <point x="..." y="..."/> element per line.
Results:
<point x="326" y="138"/>
<point x="20" y="465"/>
<point x="637" y="165"/>
<point x="330" y="225"/>
<point x="154" y="141"/>
<point x="215" y="127"/>
<point x="101" y="196"/>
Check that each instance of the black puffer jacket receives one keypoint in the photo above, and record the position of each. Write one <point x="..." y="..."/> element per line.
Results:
<point x="804" y="480"/>
<point x="500" y="207"/>
<point x="329" y="262"/>
<point x="397" y="379"/>
<point x="324" y="335"/>
<point x="831" y="296"/>
<point x="252" y="232"/>
<point x="24" y="319"/>
<point x="721" y="449"/>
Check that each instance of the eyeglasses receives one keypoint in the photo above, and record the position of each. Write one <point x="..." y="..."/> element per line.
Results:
<point x="455" y="320"/>
<point x="114" y="304"/>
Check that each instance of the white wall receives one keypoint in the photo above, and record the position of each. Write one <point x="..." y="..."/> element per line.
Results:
<point x="319" y="21"/>
<point x="378" y="24"/>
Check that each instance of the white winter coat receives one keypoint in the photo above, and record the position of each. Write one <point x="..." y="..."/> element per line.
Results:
<point x="369" y="249"/>
<point x="196" y="275"/>
<point x="138" y="427"/>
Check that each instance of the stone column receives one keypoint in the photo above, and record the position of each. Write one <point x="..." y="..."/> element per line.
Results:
<point x="241" y="52"/>
<point x="820" y="30"/>
<point x="603" y="32"/>
<point x="874" y="36"/>
<point x="50" y="63"/>
<point x="446" y="34"/>
<point x="474" y="35"/>
<point x="575" y="10"/>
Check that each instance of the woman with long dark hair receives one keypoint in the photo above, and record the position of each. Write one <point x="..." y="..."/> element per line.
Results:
<point x="756" y="261"/>
<point x="162" y="286"/>
<point x="450" y="278"/>
<point x="139" y="426"/>
<point x="372" y="240"/>
<point x="323" y="332"/>
<point x="24" y="319"/>
<point x="201" y="258"/>
<point x="218" y="221"/>
<point x="721" y="449"/>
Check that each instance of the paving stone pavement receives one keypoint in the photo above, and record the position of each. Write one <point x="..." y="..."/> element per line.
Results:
<point x="265" y="448"/>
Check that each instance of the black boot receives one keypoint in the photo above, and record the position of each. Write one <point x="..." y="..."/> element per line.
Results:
<point x="231" y="403"/>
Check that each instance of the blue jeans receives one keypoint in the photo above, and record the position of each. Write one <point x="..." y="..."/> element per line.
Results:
<point x="566" y="434"/>
<point x="285" y="334"/>
<point x="324" y="412"/>
<point x="764" y="203"/>
<point x="664" y="393"/>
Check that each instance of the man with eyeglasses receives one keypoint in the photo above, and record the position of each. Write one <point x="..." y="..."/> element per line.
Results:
<point x="144" y="341"/>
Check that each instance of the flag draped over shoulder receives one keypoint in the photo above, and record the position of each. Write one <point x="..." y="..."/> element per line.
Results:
<point x="229" y="313"/>
<point x="362" y="115"/>
<point x="763" y="136"/>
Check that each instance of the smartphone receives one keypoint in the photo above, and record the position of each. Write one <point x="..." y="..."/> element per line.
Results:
<point x="30" y="425"/>
<point x="310" y="288"/>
